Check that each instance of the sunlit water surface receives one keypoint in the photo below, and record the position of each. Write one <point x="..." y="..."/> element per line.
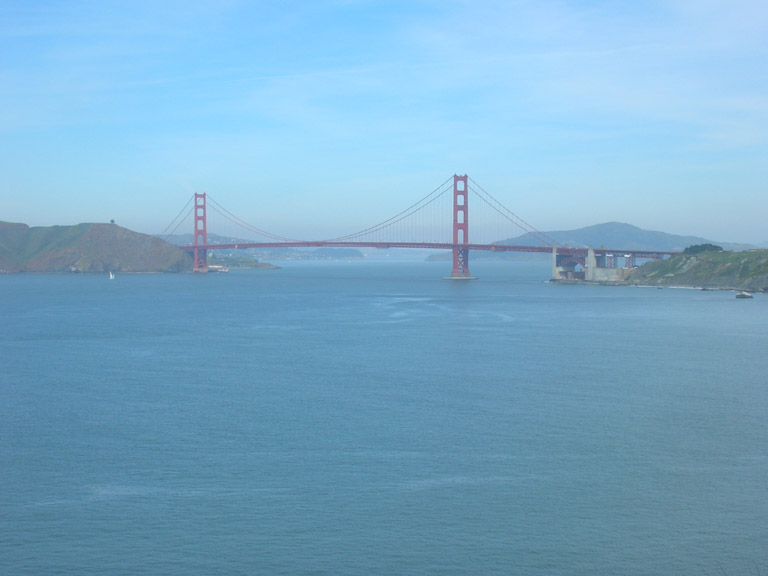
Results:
<point x="357" y="418"/>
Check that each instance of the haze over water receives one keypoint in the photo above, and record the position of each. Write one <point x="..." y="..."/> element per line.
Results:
<point x="357" y="418"/>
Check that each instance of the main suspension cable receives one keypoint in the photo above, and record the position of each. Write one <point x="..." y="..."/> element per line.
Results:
<point x="511" y="216"/>
<point x="424" y="202"/>
<point x="235" y="220"/>
<point x="179" y="220"/>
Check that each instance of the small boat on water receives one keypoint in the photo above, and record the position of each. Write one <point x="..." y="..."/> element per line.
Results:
<point x="111" y="275"/>
<point x="743" y="295"/>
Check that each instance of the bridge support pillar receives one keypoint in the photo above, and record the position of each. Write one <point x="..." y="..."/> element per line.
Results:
<point x="555" y="268"/>
<point x="201" y="235"/>
<point x="460" y="229"/>
<point x="590" y="267"/>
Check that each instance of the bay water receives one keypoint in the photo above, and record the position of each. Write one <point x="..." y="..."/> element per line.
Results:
<point x="373" y="418"/>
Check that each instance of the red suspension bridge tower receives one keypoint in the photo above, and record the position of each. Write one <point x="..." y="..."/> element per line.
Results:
<point x="460" y="229"/>
<point x="201" y="235"/>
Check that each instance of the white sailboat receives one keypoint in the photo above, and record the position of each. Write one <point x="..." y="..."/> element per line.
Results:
<point x="111" y="275"/>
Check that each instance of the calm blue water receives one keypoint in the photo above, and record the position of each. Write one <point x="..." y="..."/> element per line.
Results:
<point x="348" y="419"/>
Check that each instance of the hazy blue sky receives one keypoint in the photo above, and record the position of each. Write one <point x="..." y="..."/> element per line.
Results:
<point x="319" y="118"/>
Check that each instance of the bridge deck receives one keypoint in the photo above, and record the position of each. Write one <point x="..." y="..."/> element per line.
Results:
<point x="562" y="250"/>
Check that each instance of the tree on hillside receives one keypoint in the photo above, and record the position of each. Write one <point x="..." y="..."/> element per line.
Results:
<point x="699" y="248"/>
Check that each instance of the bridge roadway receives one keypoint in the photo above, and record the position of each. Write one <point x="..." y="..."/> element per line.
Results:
<point x="561" y="250"/>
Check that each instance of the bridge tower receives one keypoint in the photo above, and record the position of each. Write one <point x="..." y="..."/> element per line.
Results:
<point x="201" y="235"/>
<point x="460" y="229"/>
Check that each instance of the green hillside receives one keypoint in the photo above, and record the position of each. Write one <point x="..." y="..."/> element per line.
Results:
<point x="733" y="270"/>
<point x="86" y="248"/>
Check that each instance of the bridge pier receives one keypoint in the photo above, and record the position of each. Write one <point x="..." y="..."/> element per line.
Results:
<point x="460" y="265"/>
<point x="564" y="266"/>
<point x="555" y="271"/>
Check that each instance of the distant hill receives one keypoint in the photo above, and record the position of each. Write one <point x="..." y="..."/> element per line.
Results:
<point x="621" y="236"/>
<point x="86" y="248"/>
<point x="732" y="270"/>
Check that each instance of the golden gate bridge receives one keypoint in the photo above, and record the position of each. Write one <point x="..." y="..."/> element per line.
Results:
<point x="439" y="221"/>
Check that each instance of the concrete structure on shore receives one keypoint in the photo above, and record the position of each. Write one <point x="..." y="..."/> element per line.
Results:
<point x="588" y="266"/>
